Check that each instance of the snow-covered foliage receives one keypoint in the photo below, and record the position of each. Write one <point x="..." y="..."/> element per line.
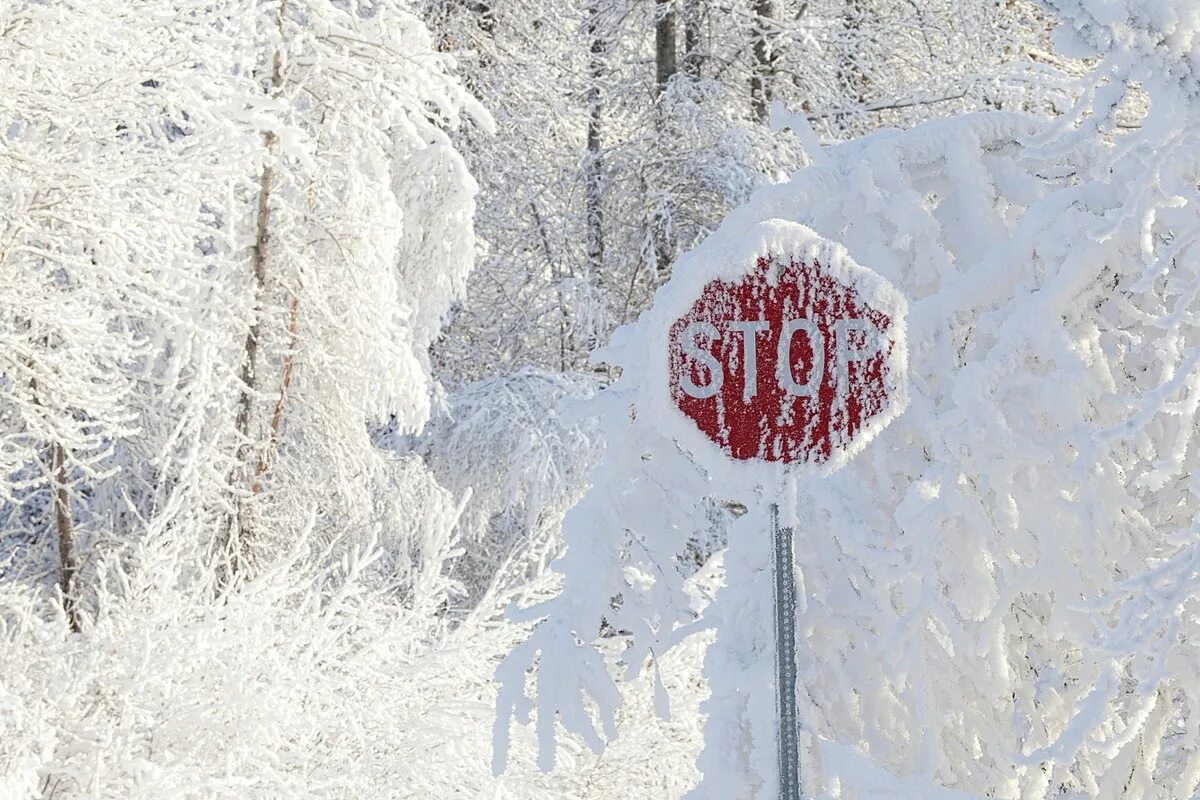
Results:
<point x="181" y="180"/>
<point x="303" y="684"/>
<point x="997" y="594"/>
<point x="220" y="273"/>
<point x="220" y="220"/>
<point x="505" y="446"/>
<point x="1133" y="238"/>
<point x="107" y="251"/>
<point x="628" y="130"/>
<point x="250" y="548"/>
<point x="361" y="192"/>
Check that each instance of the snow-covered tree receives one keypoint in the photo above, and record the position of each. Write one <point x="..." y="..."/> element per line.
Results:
<point x="211" y="321"/>
<point x="361" y="238"/>
<point x="629" y="130"/>
<point x="246" y="539"/>
<point x="1128" y="244"/>
<point x="232" y="232"/>
<point x="995" y="594"/>
<point x="508" y="446"/>
<point x="114" y="168"/>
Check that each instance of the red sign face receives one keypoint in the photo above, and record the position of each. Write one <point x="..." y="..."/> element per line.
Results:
<point x="787" y="364"/>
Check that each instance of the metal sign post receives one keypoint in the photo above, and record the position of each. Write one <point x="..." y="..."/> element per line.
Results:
<point x="785" y="659"/>
<point x="793" y="355"/>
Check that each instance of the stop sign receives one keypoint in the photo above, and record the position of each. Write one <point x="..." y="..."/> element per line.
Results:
<point x="797" y="360"/>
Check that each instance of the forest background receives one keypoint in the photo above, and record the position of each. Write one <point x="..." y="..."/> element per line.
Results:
<point x="297" y="299"/>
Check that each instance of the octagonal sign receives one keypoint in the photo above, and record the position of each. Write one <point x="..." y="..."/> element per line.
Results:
<point x="799" y="359"/>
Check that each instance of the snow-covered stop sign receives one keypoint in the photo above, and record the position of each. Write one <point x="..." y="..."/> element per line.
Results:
<point x="798" y="359"/>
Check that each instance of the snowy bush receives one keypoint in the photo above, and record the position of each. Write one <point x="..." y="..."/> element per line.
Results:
<point x="201" y="330"/>
<point x="508" y="446"/>
<point x="302" y="684"/>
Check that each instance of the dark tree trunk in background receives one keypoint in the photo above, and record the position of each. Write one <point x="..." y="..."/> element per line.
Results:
<point x="665" y="67"/>
<point x="241" y="529"/>
<point x="763" y="46"/>
<point x="63" y="523"/>
<point x="64" y="529"/>
<point x="594" y="160"/>
<point x="693" y="59"/>
<point x="664" y="44"/>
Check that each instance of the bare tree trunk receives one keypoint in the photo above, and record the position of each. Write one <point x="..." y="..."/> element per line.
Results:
<point x="664" y="245"/>
<point x="241" y="531"/>
<point x="594" y="161"/>
<point x="763" y="75"/>
<point x="693" y="59"/>
<point x="664" y="45"/>
<point x="285" y="383"/>
<point x="566" y="343"/>
<point x="64" y="529"/>
<point x="666" y="65"/>
<point x="64" y="521"/>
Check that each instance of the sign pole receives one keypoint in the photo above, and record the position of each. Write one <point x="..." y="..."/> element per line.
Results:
<point x="785" y="659"/>
<point x="793" y="356"/>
